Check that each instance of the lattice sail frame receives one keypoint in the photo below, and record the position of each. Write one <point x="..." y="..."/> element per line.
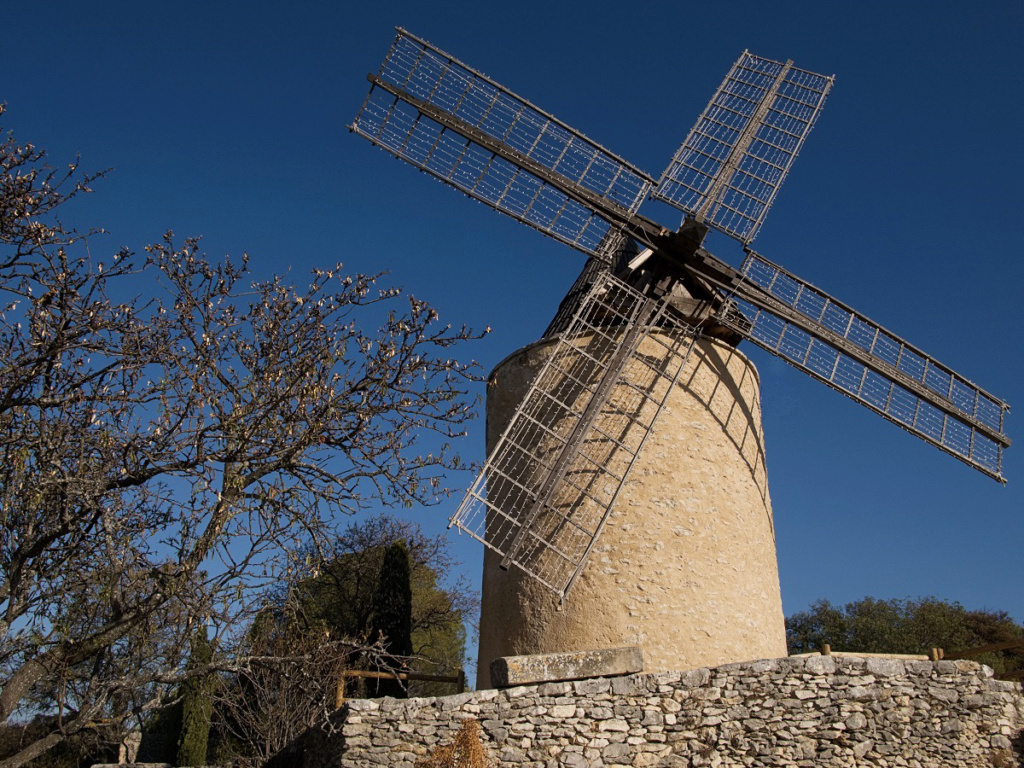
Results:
<point x="458" y="125"/>
<point x="731" y="165"/>
<point x="950" y="412"/>
<point x="550" y="482"/>
<point x="445" y="118"/>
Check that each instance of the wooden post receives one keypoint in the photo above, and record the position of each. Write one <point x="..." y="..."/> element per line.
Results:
<point x="462" y="681"/>
<point x="339" y="696"/>
<point x="936" y="654"/>
<point x="826" y="649"/>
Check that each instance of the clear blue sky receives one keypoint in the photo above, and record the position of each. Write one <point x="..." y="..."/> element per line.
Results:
<point x="228" y="120"/>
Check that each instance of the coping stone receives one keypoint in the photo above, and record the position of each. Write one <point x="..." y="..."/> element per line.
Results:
<point x="508" y="671"/>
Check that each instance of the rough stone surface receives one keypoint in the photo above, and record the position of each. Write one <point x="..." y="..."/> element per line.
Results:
<point x="918" y="715"/>
<point x="685" y="566"/>
<point x="551" y="667"/>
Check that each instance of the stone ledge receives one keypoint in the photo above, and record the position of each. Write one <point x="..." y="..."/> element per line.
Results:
<point x="509" y="671"/>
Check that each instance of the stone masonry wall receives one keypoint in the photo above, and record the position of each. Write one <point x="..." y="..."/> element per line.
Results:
<point x="821" y="710"/>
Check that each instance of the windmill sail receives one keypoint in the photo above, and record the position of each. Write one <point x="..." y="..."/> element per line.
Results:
<point x="731" y="165"/>
<point x="449" y="120"/>
<point x="549" y="484"/>
<point x="842" y="348"/>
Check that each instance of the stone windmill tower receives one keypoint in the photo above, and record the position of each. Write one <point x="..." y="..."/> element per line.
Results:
<point x="625" y="455"/>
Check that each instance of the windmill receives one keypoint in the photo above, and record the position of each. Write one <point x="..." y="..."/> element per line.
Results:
<point x="653" y="313"/>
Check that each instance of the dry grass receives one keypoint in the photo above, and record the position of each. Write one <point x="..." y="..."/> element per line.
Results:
<point x="465" y="751"/>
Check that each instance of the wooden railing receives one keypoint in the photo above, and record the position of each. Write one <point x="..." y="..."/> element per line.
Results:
<point x="459" y="680"/>
<point x="978" y="650"/>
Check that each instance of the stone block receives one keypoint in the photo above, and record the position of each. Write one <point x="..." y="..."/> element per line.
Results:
<point x="885" y="667"/>
<point x="695" y="678"/>
<point x="820" y="665"/>
<point x="510" y="671"/>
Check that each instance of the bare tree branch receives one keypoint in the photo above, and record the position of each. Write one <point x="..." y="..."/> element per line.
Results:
<point x="171" y="430"/>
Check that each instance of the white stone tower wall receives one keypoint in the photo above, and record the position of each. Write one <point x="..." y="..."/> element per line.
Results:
<point x="686" y="565"/>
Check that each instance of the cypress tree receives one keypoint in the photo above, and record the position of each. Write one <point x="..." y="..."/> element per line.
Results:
<point x="196" y="704"/>
<point x="392" y="614"/>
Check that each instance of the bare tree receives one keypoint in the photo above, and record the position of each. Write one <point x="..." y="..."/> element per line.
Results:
<point x="316" y="627"/>
<point x="170" y="430"/>
<point x="285" y="685"/>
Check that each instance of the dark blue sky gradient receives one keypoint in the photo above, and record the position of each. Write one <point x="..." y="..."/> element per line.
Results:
<point x="228" y="120"/>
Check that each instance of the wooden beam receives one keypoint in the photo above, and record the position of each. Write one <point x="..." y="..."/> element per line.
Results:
<point x="990" y="648"/>
<point x="339" y="696"/>
<point x="404" y="676"/>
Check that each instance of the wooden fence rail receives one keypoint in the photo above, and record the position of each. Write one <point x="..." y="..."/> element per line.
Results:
<point x="459" y="680"/>
<point x="977" y="650"/>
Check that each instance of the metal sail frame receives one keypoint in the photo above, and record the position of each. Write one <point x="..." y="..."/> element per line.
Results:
<point x="859" y="358"/>
<point x="453" y="122"/>
<point x="449" y="120"/>
<point x="733" y="162"/>
<point x="554" y="474"/>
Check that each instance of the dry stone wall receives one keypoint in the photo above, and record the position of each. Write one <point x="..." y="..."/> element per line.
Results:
<point x="781" y="712"/>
